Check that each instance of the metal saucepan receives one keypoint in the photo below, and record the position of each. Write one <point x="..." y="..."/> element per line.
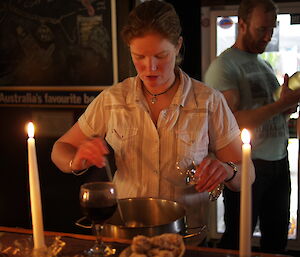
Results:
<point x="149" y="217"/>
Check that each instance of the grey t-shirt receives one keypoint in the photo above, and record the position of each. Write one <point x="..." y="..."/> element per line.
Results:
<point x="255" y="81"/>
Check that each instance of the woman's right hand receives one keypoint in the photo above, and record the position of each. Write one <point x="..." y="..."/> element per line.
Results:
<point x="74" y="151"/>
<point x="90" y="152"/>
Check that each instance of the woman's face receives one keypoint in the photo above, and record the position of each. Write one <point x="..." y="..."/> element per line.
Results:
<point x="154" y="59"/>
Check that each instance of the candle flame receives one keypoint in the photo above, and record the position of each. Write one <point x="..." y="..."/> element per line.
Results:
<point x="85" y="196"/>
<point x="30" y="129"/>
<point x="245" y="136"/>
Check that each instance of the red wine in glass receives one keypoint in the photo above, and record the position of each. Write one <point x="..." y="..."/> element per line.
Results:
<point x="99" y="214"/>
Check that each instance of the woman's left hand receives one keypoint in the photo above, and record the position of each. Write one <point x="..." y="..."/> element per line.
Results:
<point x="210" y="173"/>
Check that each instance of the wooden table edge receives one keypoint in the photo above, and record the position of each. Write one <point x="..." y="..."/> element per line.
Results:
<point x="128" y="241"/>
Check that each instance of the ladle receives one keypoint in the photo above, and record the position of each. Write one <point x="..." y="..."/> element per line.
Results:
<point x="109" y="175"/>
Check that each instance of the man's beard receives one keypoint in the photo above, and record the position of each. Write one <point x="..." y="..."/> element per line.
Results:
<point x="253" y="46"/>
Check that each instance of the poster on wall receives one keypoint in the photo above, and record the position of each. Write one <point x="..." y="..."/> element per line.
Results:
<point x="55" y="52"/>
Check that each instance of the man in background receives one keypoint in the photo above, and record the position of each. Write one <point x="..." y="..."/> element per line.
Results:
<point x="248" y="83"/>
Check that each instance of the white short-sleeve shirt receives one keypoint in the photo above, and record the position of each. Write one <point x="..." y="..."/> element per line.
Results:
<point x="198" y="121"/>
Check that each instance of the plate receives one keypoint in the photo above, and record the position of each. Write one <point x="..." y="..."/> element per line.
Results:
<point x="127" y="251"/>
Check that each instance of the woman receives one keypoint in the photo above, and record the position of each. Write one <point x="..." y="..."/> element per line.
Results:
<point x="156" y="119"/>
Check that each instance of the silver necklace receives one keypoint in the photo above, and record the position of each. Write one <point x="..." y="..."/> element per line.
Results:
<point x="154" y="96"/>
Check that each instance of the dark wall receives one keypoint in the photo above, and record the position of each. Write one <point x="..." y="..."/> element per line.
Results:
<point x="189" y="15"/>
<point x="59" y="191"/>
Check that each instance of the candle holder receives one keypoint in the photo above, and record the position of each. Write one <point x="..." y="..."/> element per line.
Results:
<point x="40" y="252"/>
<point x="24" y="248"/>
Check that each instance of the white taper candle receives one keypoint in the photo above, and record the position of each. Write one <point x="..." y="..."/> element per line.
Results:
<point x="35" y="194"/>
<point x="246" y="205"/>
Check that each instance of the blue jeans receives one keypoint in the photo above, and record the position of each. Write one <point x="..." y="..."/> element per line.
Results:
<point x="270" y="205"/>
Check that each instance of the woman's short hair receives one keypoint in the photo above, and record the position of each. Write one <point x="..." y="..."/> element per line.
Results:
<point x="153" y="16"/>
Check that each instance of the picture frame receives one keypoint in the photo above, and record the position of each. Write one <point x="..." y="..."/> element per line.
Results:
<point x="57" y="53"/>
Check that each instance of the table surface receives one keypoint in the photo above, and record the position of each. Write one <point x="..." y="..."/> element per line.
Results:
<point x="76" y="243"/>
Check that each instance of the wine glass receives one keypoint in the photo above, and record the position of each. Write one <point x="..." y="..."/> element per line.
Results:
<point x="185" y="175"/>
<point x="191" y="179"/>
<point x="98" y="201"/>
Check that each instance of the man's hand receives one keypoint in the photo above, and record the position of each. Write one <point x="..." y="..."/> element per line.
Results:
<point x="289" y="98"/>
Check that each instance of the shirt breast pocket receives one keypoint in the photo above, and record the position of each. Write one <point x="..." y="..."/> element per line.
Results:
<point x="192" y="144"/>
<point x="122" y="140"/>
<point x="187" y="138"/>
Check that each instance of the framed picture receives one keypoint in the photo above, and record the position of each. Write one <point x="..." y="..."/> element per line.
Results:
<point x="56" y="53"/>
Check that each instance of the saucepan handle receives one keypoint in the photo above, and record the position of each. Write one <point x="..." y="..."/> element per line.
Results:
<point x="187" y="235"/>
<point x="80" y="224"/>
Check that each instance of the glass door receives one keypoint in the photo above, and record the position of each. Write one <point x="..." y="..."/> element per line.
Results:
<point x="283" y="53"/>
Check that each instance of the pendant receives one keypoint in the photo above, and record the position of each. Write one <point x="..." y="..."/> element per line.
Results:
<point x="153" y="100"/>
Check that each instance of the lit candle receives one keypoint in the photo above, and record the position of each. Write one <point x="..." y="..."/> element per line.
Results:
<point x="35" y="194"/>
<point x="245" y="209"/>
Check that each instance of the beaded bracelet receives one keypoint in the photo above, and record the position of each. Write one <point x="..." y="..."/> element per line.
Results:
<point x="77" y="172"/>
